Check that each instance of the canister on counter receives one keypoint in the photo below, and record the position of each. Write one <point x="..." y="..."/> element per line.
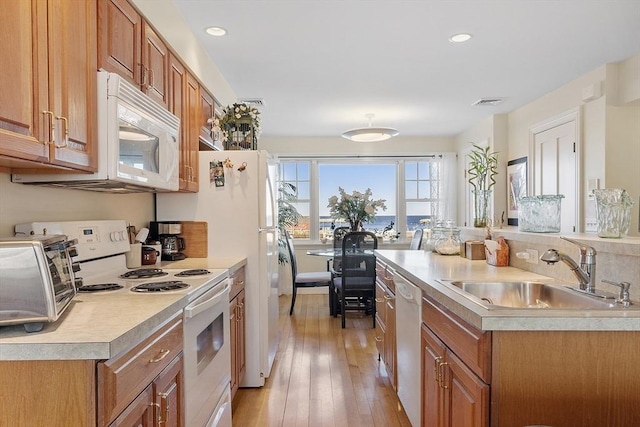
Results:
<point x="474" y="249"/>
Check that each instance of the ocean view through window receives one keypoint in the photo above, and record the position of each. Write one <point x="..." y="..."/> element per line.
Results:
<point x="410" y="186"/>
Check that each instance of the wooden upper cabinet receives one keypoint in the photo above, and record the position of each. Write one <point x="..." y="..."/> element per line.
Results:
<point x="155" y="59"/>
<point x="120" y="39"/>
<point x="189" y="151"/>
<point x="207" y="111"/>
<point x="50" y="77"/>
<point x="128" y="46"/>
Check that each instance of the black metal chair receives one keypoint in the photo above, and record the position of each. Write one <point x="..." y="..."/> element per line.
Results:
<point x="416" y="240"/>
<point x="308" y="279"/>
<point x="356" y="285"/>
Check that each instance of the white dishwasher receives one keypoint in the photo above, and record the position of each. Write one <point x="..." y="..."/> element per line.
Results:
<point x="408" y="319"/>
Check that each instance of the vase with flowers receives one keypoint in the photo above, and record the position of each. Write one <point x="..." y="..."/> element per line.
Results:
<point x="238" y="127"/>
<point x="483" y="167"/>
<point x="356" y="207"/>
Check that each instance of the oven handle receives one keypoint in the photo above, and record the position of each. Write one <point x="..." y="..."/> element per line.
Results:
<point x="198" y="307"/>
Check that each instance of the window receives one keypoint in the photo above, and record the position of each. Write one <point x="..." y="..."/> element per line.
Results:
<point x="411" y="187"/>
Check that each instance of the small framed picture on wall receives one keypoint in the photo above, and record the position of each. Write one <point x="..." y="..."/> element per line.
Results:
<point x="516" y="187"/>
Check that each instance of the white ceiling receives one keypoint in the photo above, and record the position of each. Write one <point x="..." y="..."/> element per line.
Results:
<point x="321" y="65"/>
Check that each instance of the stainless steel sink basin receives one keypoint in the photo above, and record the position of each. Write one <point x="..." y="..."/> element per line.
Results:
<point x="527" y="295"/>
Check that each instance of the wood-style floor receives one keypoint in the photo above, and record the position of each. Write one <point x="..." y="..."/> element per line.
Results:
<point x="323" y="375"/>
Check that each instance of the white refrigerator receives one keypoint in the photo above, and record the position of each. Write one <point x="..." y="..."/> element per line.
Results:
<point x="239" y="204"/>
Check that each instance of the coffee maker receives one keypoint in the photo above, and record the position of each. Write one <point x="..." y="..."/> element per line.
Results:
<point x="167" y="232"/>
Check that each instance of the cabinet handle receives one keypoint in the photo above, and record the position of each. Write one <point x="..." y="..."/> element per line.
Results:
<point x="240" y="312"/>
<point x="163" y="354"/>
<point x="436" y="362"/>
<point x="66" y="132"/>
<point x="51" y="127"/>
<point x="163" y="398"/>
<point x="380" y="300"/>
<point x="441" y="366"/>
<point x="378" y="339"/>
<point x="150" y="70"/>
<point x="388" y="298"/>
<point x="143" y="75"/>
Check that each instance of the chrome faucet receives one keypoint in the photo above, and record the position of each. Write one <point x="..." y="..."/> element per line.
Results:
<point x="585" y="272"/>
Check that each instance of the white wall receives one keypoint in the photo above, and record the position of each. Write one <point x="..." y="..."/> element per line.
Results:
<point x="21" y="203"/>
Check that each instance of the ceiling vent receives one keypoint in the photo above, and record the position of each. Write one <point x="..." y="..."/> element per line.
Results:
<point x="488" y="101"/>
<point x="256" y="102"/>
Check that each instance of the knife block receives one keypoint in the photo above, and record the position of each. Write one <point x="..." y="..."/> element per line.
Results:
<point x="498" y="257"/>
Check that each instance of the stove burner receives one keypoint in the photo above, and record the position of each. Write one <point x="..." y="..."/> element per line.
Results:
<point x="169" y="285"/>
<point x="195" y="272"/>
<point x="99" y="287"/>
<point x="143" y="273"/>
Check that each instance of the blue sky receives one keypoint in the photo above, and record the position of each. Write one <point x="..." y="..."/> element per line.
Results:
<point x="381" y="178"/>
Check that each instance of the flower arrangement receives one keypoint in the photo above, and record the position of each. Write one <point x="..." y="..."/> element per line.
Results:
<point x="233" y="116"/>
<point x="356" y="207"/>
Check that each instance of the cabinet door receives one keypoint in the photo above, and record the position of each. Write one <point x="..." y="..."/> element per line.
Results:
<point x="189" y="145"/>
<point x="23" y="80"/>
<point x="390" y="337"/>
<point x="168" y="390"/>
<point x="233" y="341"/>
<point x="207" y="111"/>
<point x="381" y="324"/>
<point x="72" y="87"/>
<point x="433" y="354"/>
<point x="139" y="413"/>
<point x="120" y="39"/>
<point x="155" y="57"/>
<point x="242" y="353"/>
<point x="468" y="401"/>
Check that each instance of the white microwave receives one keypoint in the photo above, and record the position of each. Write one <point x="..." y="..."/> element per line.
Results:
<point x="138" y="144"/>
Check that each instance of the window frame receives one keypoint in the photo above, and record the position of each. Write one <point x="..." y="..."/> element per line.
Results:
<point x="401" y="200"/>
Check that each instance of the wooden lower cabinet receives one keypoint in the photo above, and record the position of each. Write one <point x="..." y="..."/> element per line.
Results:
<point x="238" y="328"/>
<point x="142" y="386"/>
<point x="386" y="329"/>
<point x="455" y="370"/>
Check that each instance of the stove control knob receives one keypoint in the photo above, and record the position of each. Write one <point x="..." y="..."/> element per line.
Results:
<point x="76" y="267"/>
<point x="113" y="236"/>
<point x="123" y="235"/>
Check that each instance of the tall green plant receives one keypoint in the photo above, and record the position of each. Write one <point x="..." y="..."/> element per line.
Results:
<point x="483" y="167"/>
<point x="288" y="216"/>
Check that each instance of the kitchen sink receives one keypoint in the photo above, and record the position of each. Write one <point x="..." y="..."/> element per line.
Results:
<point x="528" y="295"/>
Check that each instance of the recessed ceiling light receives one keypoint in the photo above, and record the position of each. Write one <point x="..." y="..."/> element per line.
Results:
<point x="460" y="38"/>
<point x="216" y="31"/>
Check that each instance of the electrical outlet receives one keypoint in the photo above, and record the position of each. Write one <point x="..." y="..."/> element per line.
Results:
<point x="590" y="225"/>
<point x="533" y="256"/>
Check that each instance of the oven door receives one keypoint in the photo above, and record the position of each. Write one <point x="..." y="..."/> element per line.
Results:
<point x="207" y="357"/>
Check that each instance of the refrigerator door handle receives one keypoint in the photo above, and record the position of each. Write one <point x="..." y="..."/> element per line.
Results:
<point x="267" y="229"/>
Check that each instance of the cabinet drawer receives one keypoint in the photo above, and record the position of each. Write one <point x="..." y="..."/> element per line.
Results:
<point x="122" y="378"/>
<point x="471" y="345"/>
<point x="385" y="274"/>
<point x="238" y="283"/>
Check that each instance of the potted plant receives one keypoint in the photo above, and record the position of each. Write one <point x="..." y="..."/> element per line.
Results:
<point x="356" y="207"/>
<point x="483" y="167"/>
<point x="288" y="216"/>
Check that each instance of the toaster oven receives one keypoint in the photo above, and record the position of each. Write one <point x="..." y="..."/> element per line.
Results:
<point x="37" y="280"/>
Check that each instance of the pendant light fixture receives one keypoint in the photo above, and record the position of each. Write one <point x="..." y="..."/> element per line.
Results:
<point x="370" y="133"/>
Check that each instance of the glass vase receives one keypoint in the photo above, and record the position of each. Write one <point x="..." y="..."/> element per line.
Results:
<point x="481" y="207"/>
<point x="613" y="212"/>
<point x="355" y="225"/>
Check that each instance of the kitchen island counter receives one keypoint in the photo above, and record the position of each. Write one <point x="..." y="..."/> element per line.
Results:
<point x="426" y="269"/>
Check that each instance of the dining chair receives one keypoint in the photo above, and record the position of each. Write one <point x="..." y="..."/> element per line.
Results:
<point x="356" y="284"/>
<point x="312" y="279"/>
<point x="416" y="240"/>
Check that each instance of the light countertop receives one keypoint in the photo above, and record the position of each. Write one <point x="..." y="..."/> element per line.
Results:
<point x="99" y="326"/>
<point x="425" y="269"/>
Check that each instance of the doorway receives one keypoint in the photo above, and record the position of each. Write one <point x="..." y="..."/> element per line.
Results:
<point x="555" y="150"/>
